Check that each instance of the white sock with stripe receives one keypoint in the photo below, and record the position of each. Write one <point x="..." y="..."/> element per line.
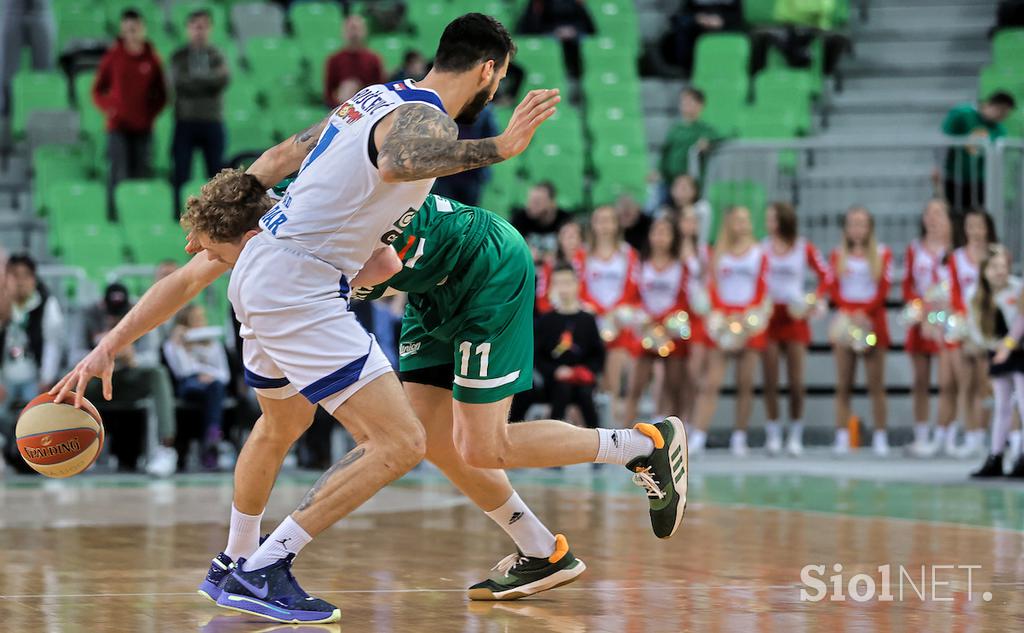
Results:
<point x="288" y="538"/>
<point x="621" y="446"/>
<point x="522" y="525"/>
<point x="243" y="535"/>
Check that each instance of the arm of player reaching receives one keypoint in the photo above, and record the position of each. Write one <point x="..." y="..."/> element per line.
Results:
<point x="160" y="303"/>
<point x="422" y="142"/>
<point x="285" y="158"/>
<point x="382" y="265"/>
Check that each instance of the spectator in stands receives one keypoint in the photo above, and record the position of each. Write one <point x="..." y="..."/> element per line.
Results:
<point x="198" y="361"/>
<point x="32" y="335"/>
<point x="566" y="20"/>
<point x="24" y="22"/>
<point x="130" y="90"/>
<point x="353" y="67"/>
<point x="540" y="220"/>
<point x="695" y="18"/>
<point x="467" y="186"/>
<point x="690" y="131"/>
<point x="634" y="222"/>
<point x="414" y="66"/>
<point x="138" y="373"/>
<point x="200" y="75"/>
<point x="964" y="174"/>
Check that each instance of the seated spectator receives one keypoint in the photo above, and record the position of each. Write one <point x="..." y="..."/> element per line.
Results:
<point x="32" y="335"/>
<point x="353" y="67"/>
<point x="964" y="172"/>
<point x="688" y="132"/>
<point x="130" y="90"/>
<point x="467" y="186"/>
<point x="695" y="18"/>
<point x="540" y="220"/>
<point x="569" y="352"/>
<point x="200" y="75"/>
<point x="138" y="373"/>
<point x="684" y="194"/>
<point x="566" y="20"/>
<point x="634" y="222"/>
<point x="414" y="66"/>
<point x="199" y="363"/>
<point x="25" y="22"/>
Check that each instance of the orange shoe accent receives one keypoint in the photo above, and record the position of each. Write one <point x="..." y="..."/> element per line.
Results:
<point x="561" y="549"/>
<point x="652" y="432"/>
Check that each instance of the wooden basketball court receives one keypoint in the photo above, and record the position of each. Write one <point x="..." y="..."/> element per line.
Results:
<point x="102" y="553"/>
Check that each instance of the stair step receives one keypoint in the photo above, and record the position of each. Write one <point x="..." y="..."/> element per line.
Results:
<point x="951" y="84"/>
<point x="884" y="101"/>
<point x="964" y="67"/>
<point x="967" y="29"/>
<point x="932" y="12"/>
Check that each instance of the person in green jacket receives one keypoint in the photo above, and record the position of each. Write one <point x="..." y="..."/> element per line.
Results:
<point x="688" y="132"/>
<point x="964" y="171"/>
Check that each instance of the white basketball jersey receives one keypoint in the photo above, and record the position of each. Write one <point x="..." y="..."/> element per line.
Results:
<point x="338" y="209"/>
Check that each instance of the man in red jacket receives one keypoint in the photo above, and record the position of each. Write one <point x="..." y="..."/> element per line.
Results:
<point x="131" y="91"/>
<point x="353" y="67"/>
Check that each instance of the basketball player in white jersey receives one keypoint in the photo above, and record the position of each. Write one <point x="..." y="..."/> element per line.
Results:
<point x="363" y="171"/>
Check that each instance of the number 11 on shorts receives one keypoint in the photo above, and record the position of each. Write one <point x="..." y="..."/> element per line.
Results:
<point x="466" y="352"/>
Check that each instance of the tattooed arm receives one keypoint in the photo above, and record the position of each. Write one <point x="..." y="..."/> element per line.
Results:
<point x="285" y="158"/>
<point x="422" y="142"/>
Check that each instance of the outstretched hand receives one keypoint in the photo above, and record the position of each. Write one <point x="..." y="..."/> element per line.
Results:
<point x="536" y="107"/>
<point x="98" y="364"/>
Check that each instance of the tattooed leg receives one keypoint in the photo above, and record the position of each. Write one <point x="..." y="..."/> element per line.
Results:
<point x="390" y="442"/>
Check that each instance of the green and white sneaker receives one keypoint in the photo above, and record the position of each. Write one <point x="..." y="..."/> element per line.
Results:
<point x="663" y="474"/>
<point x="517" y="576"/>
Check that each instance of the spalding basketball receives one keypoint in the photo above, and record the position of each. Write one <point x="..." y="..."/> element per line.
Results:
<point x="58" y="440"/>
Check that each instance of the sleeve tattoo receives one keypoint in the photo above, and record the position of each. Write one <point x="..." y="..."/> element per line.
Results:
<point x="423" y="143"/>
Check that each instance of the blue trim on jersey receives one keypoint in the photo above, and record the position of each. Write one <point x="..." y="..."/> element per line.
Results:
<point x="321" y="146"/>
<point x="256" y="381"/>
<point x="408" y="93"/>
<point x="343" y="287"/>
<point x="338" y="381"/>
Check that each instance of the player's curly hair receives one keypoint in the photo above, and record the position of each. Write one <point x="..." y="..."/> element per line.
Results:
<point x="229" y="205"/>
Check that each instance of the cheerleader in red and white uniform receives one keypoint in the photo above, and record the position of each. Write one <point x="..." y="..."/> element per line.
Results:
<point x="736" y="283"/>
<point x="790" y="259"/>
<point x="570" y="251"/>
<point x="972" y="382"/>
<point x="696" y="257"/>
<point x="926" y="269"/>
<point x="607" y="282"/>
<point x="861" y="276"/>
<point x="661" y="285"/>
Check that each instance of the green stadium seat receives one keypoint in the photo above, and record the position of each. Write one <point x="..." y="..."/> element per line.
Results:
<point x="724" y="194"/>
<point x="1015" y="125"/>
<point x="53" y="164"/>
<point x="759" y="12"/>
<point x="74" y="202"/>
<point x="605" y="52"/>
<point x="617" y="17"/>
<point x="163" y="136"/>
<point x="218" y="15"/>
<point x="315" y="20"/>
<point x="248" y="133"/>
<point x="192" y="188"/>
<point x="79" y="21"/>
<point x="783" y="85"/>
<point x="565" y="128"/>
<point x="144" y="202"/>
<point x="274" y="63"/>
<point x="152" y="14"/>
<point x="841" y="16"/>
<point x="430" y="18"/>
<point x="289" y="121"/>
<point x="97" y="248"/>
<point x="154" y="243"/>
<point x="391" y="48"/>
<point x="996" y="78"/>
<point x="721" y="55"/>
<point x="502" y="11"/>
<point x="541" y="59"/>
<point x="1008" y="47"/>
<point x="778" y="122"/>
<point x="36" y="91"/>
<point x="545" y="159"/>
<point x="619" y="168"/>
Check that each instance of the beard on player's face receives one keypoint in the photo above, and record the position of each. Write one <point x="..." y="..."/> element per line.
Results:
<point x="473" y="109"/>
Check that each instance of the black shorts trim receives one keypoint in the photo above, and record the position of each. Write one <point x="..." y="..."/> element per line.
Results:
<point x="441" y="376"/>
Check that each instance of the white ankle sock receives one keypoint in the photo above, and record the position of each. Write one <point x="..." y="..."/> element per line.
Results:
<point x="773" y="431"/>
<point x="288" y="538"/>
<point x="921" y="432"/>
<point x="796" y="431"/>
<point x="522" y="525"/>
<point x="620" y="446"/>
<point x="939" y="436"/>
<point x="243" y="535"/>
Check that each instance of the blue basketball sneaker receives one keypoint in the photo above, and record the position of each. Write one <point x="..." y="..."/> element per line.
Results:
<point x="220" y="567"/>
<point x="273" y="593"/>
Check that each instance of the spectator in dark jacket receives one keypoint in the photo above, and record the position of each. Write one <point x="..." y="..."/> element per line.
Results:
<point x="567" y="20"/>
<point x="353" y="67"/>
<point x="695" y="18"/>
<point x="466" y="186"/>
<point x="540" y="220"/>
<point x="965" y="166"/>
<point x="413" y="67"/>
<point x="200" y="75"/>
<point x="131" y="91"/>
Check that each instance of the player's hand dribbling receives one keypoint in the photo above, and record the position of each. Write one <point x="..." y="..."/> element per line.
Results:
<point x="98" y="364"/>
<point x="536" y="107"/>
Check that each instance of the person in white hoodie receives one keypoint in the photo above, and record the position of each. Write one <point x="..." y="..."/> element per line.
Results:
<point x="196" y="357"/>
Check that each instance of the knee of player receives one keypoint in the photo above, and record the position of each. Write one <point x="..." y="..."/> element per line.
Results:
<point x="484" y="454"/>
<point x="406" y="447"/>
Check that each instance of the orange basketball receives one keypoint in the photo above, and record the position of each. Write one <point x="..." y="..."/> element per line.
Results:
<point x="58" y="440"/>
